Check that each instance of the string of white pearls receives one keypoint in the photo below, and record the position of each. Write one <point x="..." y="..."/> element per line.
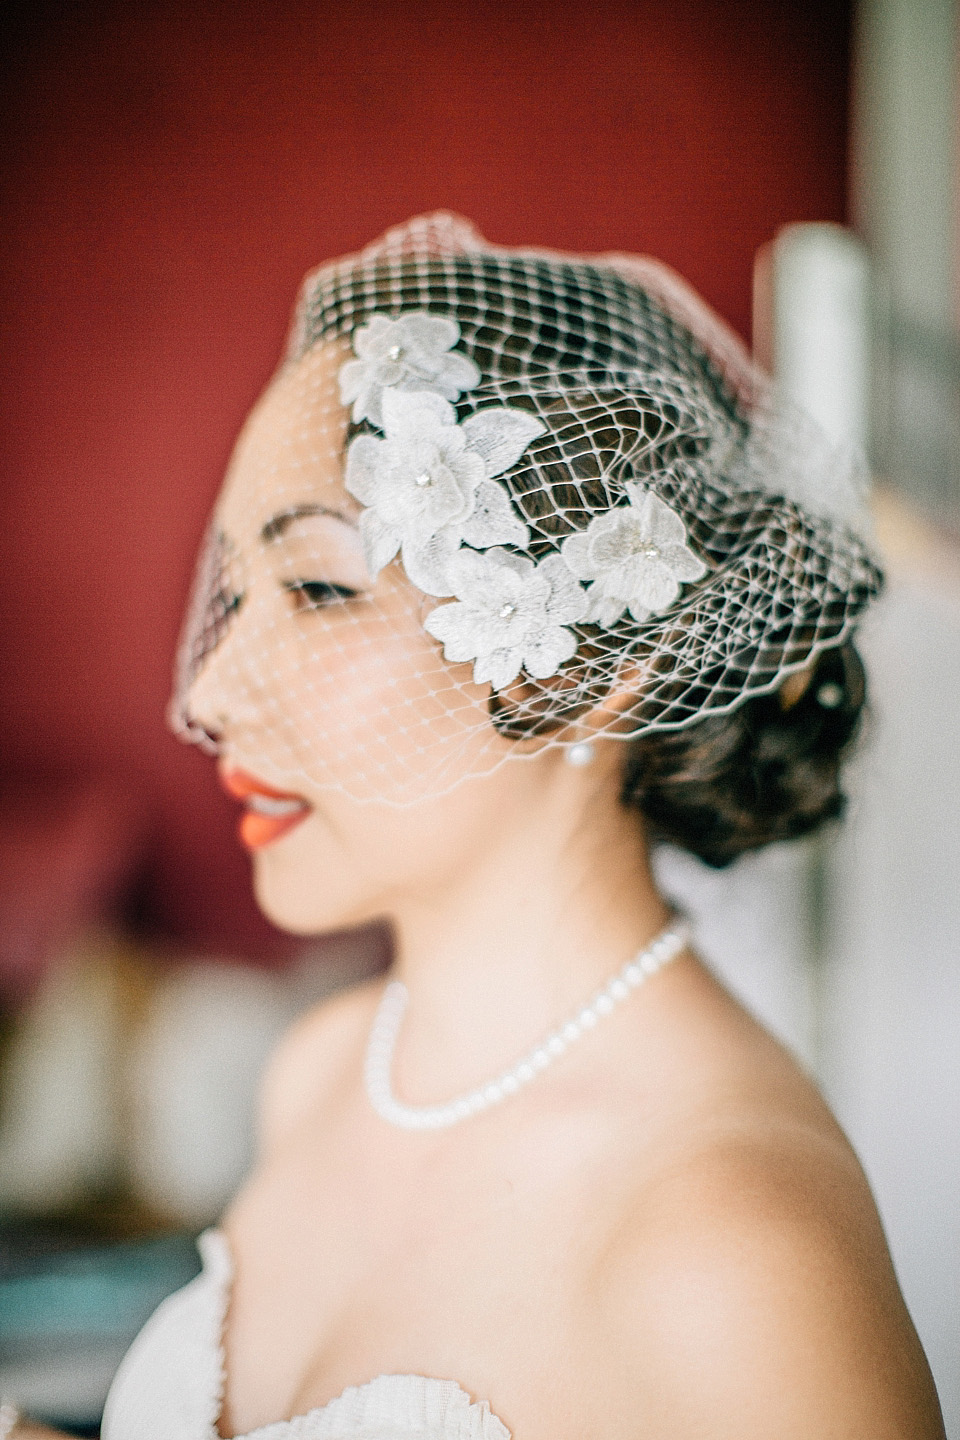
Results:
<point x="386" y="1027"/>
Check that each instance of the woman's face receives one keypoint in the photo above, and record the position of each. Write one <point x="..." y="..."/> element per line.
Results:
<point x="324" y="691"/>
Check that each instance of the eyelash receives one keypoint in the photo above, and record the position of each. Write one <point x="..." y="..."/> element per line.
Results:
<point x="314" y="594"/>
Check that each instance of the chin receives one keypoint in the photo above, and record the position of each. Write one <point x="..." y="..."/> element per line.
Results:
<point x="303" y="898"/>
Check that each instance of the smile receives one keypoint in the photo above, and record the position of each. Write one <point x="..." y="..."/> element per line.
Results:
<point x="269" y="814"/>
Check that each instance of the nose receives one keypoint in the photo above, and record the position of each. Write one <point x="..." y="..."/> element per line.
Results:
<point x="222" y="695"/>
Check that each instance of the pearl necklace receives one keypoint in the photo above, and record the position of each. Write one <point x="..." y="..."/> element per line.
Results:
<point x="393" y="1004"/>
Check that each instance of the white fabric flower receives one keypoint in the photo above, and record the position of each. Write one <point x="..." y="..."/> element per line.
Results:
<point x="429" y="486"/>
<point x="411" y="353"/>
<point x="510" y="614"/>
<point x="637" y="557"/>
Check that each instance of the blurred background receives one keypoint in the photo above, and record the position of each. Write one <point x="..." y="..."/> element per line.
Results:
<point x="169" y="172"/>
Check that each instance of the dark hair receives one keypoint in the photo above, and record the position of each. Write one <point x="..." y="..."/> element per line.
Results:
<point x="764" y="771"/>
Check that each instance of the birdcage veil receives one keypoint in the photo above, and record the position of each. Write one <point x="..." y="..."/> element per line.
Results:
<point x="579" y="506"/>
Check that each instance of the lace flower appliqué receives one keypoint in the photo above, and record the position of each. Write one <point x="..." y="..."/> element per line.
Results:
<point x="428" y="486"/>
<point x="510" y="614"/>
<point x="636" y="557"/>
<point x="411" y="353"/>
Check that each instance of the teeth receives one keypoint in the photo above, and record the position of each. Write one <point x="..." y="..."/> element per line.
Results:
<point x="270" y="805"/>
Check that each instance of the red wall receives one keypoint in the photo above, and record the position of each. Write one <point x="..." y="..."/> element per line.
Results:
<point x="170" y="172"/>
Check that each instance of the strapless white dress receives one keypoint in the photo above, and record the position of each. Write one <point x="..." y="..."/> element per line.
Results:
<point x="170" y="1384"/>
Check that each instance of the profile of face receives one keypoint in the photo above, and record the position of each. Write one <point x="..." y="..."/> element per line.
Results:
<point x="367" y="762"/>
<point x="612" y="525"/>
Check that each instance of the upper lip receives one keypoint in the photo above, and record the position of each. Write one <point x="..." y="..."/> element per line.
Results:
<point x="240" y="784"/>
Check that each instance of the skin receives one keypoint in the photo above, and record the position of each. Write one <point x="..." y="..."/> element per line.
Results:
<point x="666" y="1235"/>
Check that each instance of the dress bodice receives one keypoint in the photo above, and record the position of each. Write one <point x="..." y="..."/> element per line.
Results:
<point x="170" y="1384"/>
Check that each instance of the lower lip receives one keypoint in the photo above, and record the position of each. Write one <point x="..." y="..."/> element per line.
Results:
<point x="255" y="830"/>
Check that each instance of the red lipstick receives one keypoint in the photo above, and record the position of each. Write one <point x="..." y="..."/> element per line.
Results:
<point x="270" y="813"/>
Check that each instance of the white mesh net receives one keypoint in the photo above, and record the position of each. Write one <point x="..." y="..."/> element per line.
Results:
<point x="496" y="500"/>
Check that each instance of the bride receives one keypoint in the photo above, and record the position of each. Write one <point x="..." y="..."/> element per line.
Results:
<point x="518" y="566"/>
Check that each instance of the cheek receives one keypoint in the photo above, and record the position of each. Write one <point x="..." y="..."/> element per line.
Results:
<point x="315" y="879"/>
<point x="350" y="861"/>
<point x="369" y="705"/>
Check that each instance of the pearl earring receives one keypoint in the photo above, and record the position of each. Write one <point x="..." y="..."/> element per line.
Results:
<point x="583" y="753"/>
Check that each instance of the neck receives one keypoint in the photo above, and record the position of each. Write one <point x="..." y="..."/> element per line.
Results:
<point x="496" y="954"/>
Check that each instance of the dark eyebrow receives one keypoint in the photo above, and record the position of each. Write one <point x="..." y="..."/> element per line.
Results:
<point x="281" y="522"/>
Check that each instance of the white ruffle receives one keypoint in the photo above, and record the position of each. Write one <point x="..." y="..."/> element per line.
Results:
<point x="393" y="1407"/>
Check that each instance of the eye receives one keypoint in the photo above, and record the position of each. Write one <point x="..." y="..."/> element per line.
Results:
<point x="312" y="594"/>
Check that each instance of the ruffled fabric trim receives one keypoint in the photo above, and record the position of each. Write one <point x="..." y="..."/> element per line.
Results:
<point x="392" y="1407"/>
<point x="217" y="1260"/>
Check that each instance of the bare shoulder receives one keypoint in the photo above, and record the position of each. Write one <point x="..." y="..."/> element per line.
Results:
<point x="752" y="1294"/>
<point x="312" y="1057"/>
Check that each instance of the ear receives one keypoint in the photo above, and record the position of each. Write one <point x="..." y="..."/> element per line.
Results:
<point x="611" y="714"/>
<point x="794" y="687"/>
